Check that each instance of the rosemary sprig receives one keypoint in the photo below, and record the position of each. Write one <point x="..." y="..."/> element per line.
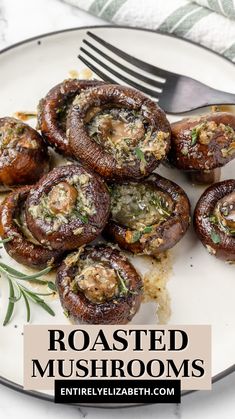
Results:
<point x="13" y="276"/>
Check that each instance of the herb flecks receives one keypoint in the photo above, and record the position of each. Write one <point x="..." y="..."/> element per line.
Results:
<point x="140" y="155"/>
<point x="122" y="285"/>
<point x="147" y="229"/>
<point x="195" y="133"/>
<point x="194" y="136"/>
<point x="135" y="236"/>
<point x="215" y="237"/>
<point x="13" y="277"/>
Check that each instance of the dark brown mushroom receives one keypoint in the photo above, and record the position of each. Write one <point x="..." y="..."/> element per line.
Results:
<point x="23" y="154"/>
<point x="98" y="285"/>
<point x="68" y="208"/>
<point x="214" y="219"/>
<point x="53" y="109"/>
<point x="118" y="132"/>
<point x="22" y="246"/>
<point x="147" y="217"/>
<point x="203" y="144"/>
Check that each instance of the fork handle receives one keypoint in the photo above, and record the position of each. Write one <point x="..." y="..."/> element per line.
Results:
<point x="196" y="95"/>
<point x="218" y="97"/>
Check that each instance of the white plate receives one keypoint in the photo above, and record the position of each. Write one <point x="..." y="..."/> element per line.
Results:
<point x="201" y="288"/>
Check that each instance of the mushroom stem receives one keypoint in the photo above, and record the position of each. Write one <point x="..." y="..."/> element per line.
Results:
<point x="205" y="177"/>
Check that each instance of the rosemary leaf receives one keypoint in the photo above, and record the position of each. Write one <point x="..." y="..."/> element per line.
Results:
<point x="19" y="275"/>
<point x="52" y="286"/>
<point x="11" y="304"/>
<point x="26" y="305"/>
<point x="34" y="297"/>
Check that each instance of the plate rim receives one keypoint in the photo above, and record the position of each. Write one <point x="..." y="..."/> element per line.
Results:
<point x="11" y="384"/>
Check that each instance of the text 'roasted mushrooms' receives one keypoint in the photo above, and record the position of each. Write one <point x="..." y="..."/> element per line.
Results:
<point x="149" y="216"/>
<point x="67" y="208"/>
<point x="118" y="132"/>
<point x="22" y="246"/>
<point x="99" y="285"/>
<point x="203" y="144"/>
<point x="214" y="219"/>
<point x="23" y="154"/>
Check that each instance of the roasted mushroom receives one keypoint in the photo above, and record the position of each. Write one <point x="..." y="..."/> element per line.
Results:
<point x="118" y="132"/>
<point x="214" y="219"/>
<point x="22" y="246"/>
<point x="67" y="208"/>
<point x="203" y="144"/>
<point x="147" y="217"/>
<point x="53" y="109"/>
<point x="23" y="154"/>
<point x="99" y="285"/>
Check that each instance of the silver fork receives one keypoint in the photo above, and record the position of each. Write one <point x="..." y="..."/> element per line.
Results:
<point x="173" y="92"/>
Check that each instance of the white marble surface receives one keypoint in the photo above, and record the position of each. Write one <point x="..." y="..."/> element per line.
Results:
<point x="20" y="19"/>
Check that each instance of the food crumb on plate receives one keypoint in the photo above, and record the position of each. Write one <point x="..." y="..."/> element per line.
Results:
<point x="155" y="286"/>
<point x="24" y="115"/>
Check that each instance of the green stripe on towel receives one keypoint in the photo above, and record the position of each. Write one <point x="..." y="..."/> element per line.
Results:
<point x="96" y="6"/>
<point x="171" y="21"/>
<point x="215" y="5"/>
<point x="189" y="22"/>
<point x="230" y="52"/>
<point x="112" y="8"/>
<point x="229" y="8"/>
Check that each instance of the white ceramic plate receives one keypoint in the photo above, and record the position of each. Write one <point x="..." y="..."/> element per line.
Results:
<point x="201" y="288"/>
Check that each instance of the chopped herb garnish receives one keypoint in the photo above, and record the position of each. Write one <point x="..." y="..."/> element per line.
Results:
<point x="147" y="229"/>
<point x="213" y="219"/>
<point x="83" y="218"/>
<point x="215" y="237"/>
<point x="140" y="155"/>
<point x="135" y="236"/>
<point x="160" y="206"/>
<point x="194" y="136"/>
<point x="122" y="285"/>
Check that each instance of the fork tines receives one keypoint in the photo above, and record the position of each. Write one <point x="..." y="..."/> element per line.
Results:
<point x="106" y="66"/>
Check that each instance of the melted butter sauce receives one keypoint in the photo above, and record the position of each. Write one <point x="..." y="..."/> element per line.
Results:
<point x="155" y="274"/>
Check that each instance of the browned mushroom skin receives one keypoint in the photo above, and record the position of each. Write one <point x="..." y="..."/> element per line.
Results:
<point x="160" y="236"/>
<point x="203" y="144"/>
<point x="68" y="208"/>
<point x="53" y="108"/>
<point x="23" y="154"/>
<point x="117" y="309"/>
<point x="132" y="136"/>
<point x="214" y="234"/>
<point x="21" y="247"/>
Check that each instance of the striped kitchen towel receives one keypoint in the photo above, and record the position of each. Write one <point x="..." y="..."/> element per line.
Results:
<point x="207" y="22"/>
